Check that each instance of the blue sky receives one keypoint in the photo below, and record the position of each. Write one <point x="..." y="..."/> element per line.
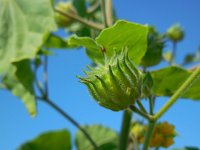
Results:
<point x="17" y="127"/>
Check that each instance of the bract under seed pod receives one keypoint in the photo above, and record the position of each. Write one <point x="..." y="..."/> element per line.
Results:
<point x="115" y="85"/>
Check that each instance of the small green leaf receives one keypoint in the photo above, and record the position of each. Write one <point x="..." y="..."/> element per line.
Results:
<point x="121" y="35"/>
<point x="56" y="42"/>
<point x="54" y="140"/>
<point x="168" y="80"/>
<point x="189" y="58"/>
<point x="19" y="80"/>
<point x="147" y="85"/>
<point x="93" y="50"/>
<point x="105" y="138"/>
<point x="153" y="55"/>
<point x="22" y="31"/>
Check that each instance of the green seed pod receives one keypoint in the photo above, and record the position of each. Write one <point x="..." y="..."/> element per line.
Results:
<point x="64" y="21"/>
<point x="115" y="85"/>
<point x="175" y="33"/>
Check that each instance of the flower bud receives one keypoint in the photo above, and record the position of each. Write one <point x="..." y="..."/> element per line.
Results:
<point x="115" y="85"/>
<point x="175" y="33"/>
<point x="64" y="21"/>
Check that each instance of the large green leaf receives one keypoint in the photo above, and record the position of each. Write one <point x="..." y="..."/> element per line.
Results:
<point x="19" y="80"/>
<point x="23" y="27"/>
<point x="54" y="140"/>
<point x="121" y="35"/>
<point x="105" y="138"/>
<point x="168" y="80"/>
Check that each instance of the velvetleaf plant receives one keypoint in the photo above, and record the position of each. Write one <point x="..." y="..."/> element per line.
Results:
<point x="120" y="80"/>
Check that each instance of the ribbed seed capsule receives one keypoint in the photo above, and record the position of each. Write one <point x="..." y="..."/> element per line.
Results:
<point x="117" y="84"/>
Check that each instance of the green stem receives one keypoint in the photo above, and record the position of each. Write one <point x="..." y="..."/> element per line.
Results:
<point x="184" y="87"/>
<point x="109" y="15"/>
<point x="81" y="20"/>
<point x="124" y="133"/>
<point x="141" y="106"/>
<point x="149" y="134"/>
<point x="139" y="112"/>
<point x="173" y="59"/>
<point x="93" y="8"/>
<point x="69" y="118"/>
<point x="45" y="76"/>
<point x="151" y="104"/>
<point x="103" y="11"/>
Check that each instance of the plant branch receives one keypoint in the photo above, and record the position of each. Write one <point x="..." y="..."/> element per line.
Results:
<point x="141" y="113"/>
<point x="37" y="83"/>
<point x="93" y="8"/>
<point x="109" y="15"/>
<point x="45" y="76"/>
<point x="151" y="104"/>
<point x="44" y="97"/>
<point x="149" y="134"/>
<point x="124" y="133"/>
<point x="141" y="106"/>
<point x="81" y="20"/>
<point x="69" y="118"/>
<point x="173" y="59"/>
<point x="184" y="87"/>
<point x="103" y="11"/>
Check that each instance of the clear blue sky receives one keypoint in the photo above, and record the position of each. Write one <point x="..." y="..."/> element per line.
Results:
<point x="16" y="126"/>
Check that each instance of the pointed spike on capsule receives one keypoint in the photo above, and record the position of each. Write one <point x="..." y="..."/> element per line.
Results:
<point x="118" y="65"/>
<point x="113" y="78"/>
<point x="115" y="53"/>
<point x="86" y="73"/>
<point x="98" y="77"/>
<point x="126" y="49"/>
<point x="106" y="59"/>
<point x="102" y="81"/>
<point x="82" y="80"/>
<point x="90" y="68"/>
<point x="110" y="70"/>
<point x="132" y="65"/>
<point x="80" y="77"/>
<point x="127" y="56"/>
<point x="124" y="57"/>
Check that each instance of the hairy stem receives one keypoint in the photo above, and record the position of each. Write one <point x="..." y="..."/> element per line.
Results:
<point x="69" y="118"/>
<point x="184" y="87"/>
<point x="149" y="134"/>
<point x="81" y="20"/>
<point x="124" y="133"/>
